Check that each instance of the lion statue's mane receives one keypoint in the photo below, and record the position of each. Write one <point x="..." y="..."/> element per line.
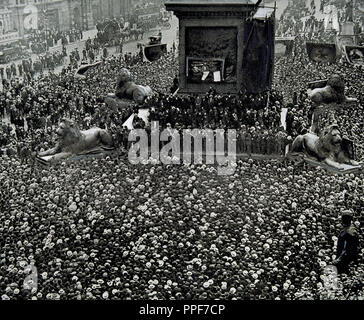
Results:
<point x="326" y="148"/>
<point x="72" y="141"/>
<point x="333" y="92"/>
<point x="126" y="88"/>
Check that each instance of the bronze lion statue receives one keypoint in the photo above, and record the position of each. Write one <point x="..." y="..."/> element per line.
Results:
<point x="333" y="91"/>
<point x="327" y="148"/>
<point x="72" y="141"/>
<point x="126" y="88"/>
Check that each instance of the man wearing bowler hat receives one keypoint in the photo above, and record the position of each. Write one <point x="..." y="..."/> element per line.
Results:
<point x="347" y="244"/>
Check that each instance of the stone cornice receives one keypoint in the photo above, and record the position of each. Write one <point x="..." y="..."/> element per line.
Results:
<point x="212" y="14"/>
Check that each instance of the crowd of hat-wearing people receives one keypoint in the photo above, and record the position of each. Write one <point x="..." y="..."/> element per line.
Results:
<point x="39" y="41"/>
<point x="38" y="104"/>
<point x="299" y="18"/>
<point x="300" y="109"/>
<point x="256" y="118"/>
<point x="97" y="228"/>
<point x="28" y="68"/>
<point x="106" y="229"/>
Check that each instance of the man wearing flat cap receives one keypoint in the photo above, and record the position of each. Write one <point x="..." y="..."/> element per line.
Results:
<point x="347" y="244"/>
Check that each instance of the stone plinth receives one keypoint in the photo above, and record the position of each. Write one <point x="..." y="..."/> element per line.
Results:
<point x="347" y="29"/>
<point x="211" y="43"/>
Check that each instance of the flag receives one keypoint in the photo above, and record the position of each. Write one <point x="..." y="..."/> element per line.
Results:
<point x="80" y="73"/>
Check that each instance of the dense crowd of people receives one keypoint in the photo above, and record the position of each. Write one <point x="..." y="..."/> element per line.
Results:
<point x="38" y="41"/>
<point x="106" y="229"/>
<point x="256" y="118"/>
<point x="180" y="232"/>
<point x="301" y="19"/>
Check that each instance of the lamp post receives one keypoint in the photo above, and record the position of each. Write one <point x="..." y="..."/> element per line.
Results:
<point x="84" y="18"/>
<point x="45" y="21"/>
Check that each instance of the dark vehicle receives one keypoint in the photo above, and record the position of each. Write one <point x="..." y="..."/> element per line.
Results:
<point x="12" y="53"/>
<point x="154" y="49"/>
<point x="109" y="32"/>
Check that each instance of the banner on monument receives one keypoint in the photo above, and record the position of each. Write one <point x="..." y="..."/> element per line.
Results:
<point x="258" y="52"/>
<point x="321" y="52"/>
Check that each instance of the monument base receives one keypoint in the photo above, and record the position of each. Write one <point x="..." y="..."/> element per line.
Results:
<point x="299" y="158"/>
<point x="96" y="153"/>
<point x="347" y="167"/>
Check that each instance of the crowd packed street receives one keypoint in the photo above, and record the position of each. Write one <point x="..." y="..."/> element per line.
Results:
<point x="107" y="229"/>
<point x="71" y="45"/>
<point x="40" y="41"/>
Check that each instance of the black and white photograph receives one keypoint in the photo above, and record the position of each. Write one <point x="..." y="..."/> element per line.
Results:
<point x="163" y="151"/>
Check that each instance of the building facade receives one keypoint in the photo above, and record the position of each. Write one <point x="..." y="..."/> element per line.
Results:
<point x="24" y="16"/>
<point x="108" y="9"/>
<point x="7" y="32"/>
<point x="5" y="25"/>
